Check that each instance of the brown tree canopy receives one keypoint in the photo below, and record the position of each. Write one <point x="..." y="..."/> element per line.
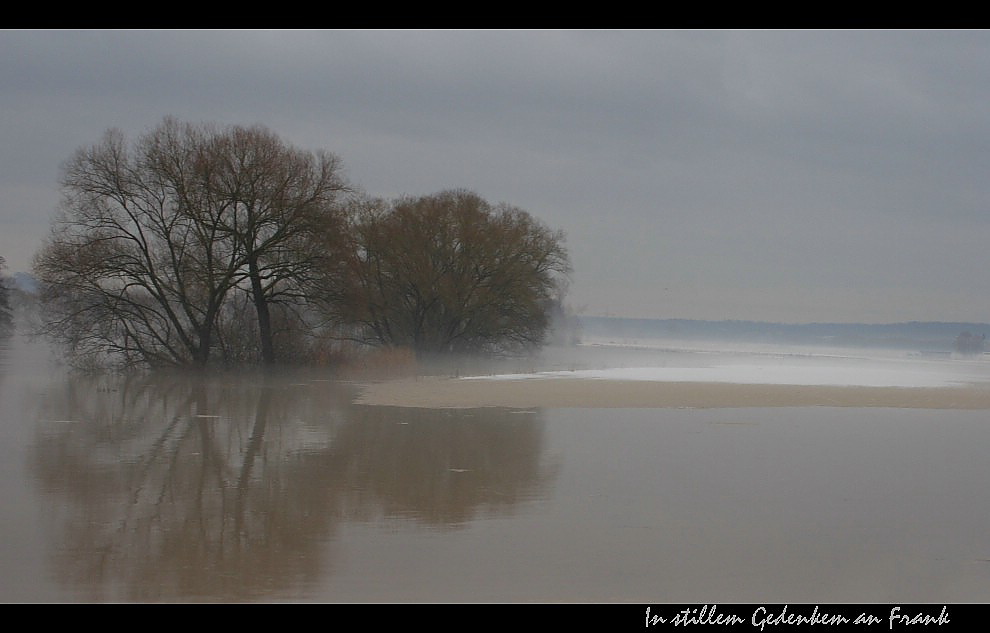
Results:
<point x="156" y="240"/>
<point x="451" y="273"/>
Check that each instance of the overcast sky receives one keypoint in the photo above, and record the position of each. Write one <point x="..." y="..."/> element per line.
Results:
<point x="769" y="175"/>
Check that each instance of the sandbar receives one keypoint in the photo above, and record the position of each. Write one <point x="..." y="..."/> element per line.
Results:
<point x="439" y="393"/>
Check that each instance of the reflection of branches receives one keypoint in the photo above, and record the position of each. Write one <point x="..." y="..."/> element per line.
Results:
<point x="166" y="506"/>
<point x="227" y="486"/>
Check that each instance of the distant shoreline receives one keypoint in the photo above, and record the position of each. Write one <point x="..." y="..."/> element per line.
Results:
<point x="440" y="393"/>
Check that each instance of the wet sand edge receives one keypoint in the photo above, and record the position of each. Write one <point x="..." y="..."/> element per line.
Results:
<point x="439" y="393"/>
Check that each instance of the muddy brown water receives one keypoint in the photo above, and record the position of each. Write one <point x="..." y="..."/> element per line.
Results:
<point x="246" y="487"/>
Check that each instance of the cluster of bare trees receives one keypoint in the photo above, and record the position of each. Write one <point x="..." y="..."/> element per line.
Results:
<point x="198" y="244"/>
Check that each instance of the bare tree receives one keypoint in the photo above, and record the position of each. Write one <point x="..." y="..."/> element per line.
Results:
<point x="6" y="318"/>
<point x="133" y="268"/>
<point x="283" y="211"/>
<point x="153" y="239"/>
<point x="451" y="273"/>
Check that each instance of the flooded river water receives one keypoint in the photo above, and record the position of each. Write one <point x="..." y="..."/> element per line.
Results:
<point x="252" y="487"/>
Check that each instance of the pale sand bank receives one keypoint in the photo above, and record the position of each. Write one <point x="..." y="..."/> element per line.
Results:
<point x="431" y="392"/>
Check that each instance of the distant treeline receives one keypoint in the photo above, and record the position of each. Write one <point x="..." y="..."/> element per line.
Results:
<point x="915" y="335"/>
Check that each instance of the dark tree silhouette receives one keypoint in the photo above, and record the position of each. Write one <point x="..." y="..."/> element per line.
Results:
<point x="283" y="211"/>
<point x="154" y="238"/>
<point x="6" y="318"/>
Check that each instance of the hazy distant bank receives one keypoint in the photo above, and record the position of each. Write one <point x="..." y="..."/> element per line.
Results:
<point x="931" y="337"/>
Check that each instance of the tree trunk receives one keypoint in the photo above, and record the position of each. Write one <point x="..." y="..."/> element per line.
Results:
<point x="264" y="316"/>
<point x="201" y="355"/>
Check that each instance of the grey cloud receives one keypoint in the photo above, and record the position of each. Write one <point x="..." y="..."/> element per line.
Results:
<point x="835" y="169"/>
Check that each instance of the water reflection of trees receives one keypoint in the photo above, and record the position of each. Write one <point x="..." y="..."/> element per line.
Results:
<point x="232" y="486"/>
<point x="442" y="467"/>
